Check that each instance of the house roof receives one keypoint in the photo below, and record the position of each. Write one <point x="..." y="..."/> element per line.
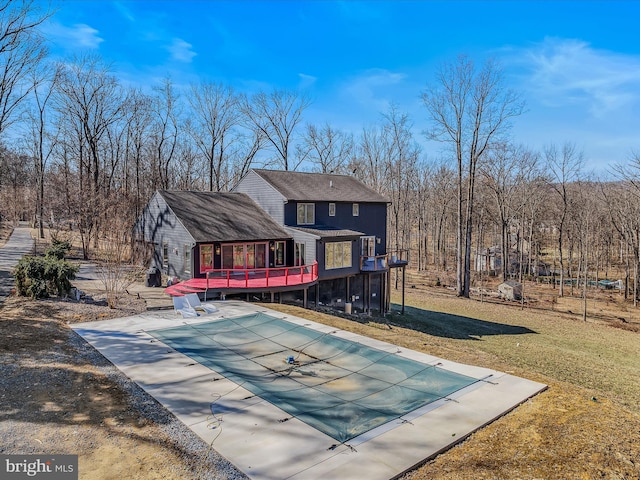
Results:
<point x="222" y="217"/>
<point x="320" y="187"/>
<point x="323" y="231"/>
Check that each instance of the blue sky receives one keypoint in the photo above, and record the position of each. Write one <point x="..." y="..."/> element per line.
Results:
<point x="576" y="63"/>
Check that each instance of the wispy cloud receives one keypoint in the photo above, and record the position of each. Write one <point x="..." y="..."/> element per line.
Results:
<point x="79" y="35"/>
<point x="572" y="72"/>
<point x="374" y="88"/>
<point x="181" y="51"/>
<point x="124" y="11"/>
<point x="306" y="81"/>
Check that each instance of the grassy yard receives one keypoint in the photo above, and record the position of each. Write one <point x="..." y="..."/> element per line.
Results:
<point x="586" y="425"/>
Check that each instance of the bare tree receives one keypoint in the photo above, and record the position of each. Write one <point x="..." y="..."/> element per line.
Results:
<point x="164" y="133"/>
<point x="402" y="155"/>
<point x="215" y="112"/>
<point x="138" y="125"/>
<point x="90" y="100"/>
<point x="370" y="161"/>
<point x="442" y="186"/>
<point x="243" y="151"/>
<point x="505" y="173"/>
<point x="534" y="195"/>
<point x="276" y="116"/>
<point x="469" y="110"/>
<point x="16" y="176"/>
<point x="564" y="167"/>
<point x="329" y="149"/>
<point x="583" y="220"/>
<point x="623" y="201"/>
<point x="42" y="133"/>
<point x="21" y="51"/>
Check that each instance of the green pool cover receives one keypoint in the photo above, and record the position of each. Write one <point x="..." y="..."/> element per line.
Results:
<point x="337" y="386"/>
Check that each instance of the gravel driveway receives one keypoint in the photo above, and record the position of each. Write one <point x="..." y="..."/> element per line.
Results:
<point x="20" y="243"/>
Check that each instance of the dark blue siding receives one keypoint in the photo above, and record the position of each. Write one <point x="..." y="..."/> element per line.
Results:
<point x="372" y="220"/>
<point x="339" y="272"/>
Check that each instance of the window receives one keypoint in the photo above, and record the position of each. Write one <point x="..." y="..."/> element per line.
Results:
<point x="238" y="256"/>
<point x="306" y="214"/>
<point x="244" y="256"/>
<point x="261" y="255"/>
<point x="227" y="256"/>
<point x="299" y="260"/>
<point x="337" y="255"/>
<point x="356" y="209"/>
<point x="332" y="209"/>
<point x="187" y="259"/>
<point x="206" y="258"/>
<point x="278" y="260"/>
<point x="251" y="256"/>
<point x="165" y="255"/>
<point x="368" y="246"/>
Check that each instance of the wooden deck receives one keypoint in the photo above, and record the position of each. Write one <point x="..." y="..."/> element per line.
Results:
<point x="258" y="279"/>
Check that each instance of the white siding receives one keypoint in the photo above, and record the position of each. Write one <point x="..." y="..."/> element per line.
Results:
<point x="269" y="199"/>
<point x="310" y="243"/>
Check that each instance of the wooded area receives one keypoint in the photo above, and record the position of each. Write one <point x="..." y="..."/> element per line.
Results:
<point x="81" y="151"/>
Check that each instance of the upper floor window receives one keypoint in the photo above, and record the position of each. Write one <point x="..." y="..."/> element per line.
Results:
<point x="306" y="214"/>
<point x="332" y="209"/>
<point x="356" y="209"/>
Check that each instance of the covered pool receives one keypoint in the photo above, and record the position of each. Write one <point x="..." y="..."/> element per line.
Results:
<point x="338" y="386"/>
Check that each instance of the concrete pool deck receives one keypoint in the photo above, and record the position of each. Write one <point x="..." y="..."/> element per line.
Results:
<point x="249" y="431"/>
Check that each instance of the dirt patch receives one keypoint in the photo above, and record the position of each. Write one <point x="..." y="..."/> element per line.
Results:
<point x="60" y="397"/>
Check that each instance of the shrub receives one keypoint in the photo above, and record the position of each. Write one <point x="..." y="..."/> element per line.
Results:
<point x="41" y="277"/>
<point x="58" y="249"/>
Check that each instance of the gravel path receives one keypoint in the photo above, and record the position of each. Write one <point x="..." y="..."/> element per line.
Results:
<point x="20" y="243"/>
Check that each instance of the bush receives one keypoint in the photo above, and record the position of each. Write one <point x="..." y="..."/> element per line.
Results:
<point x="58" y="249"/>
<point x="41" y="277"/>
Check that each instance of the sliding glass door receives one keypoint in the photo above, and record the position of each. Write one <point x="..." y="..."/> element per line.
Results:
<point x="244" y="256"/>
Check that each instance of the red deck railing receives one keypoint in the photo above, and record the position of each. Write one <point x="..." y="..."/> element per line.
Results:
<point x="262" y="277"/>
<point x="247" y="279"/>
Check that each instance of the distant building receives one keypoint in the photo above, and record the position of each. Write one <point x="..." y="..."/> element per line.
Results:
<point x="490" y="260"/>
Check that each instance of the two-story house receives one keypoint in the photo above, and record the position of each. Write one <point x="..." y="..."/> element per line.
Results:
<point x="316" y="237"/>
<point x="337" y="221"/>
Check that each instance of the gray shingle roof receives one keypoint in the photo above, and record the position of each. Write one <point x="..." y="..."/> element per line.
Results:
<point x="328" y="232"/>
<point x="222" y="217"/>
<point x="320" y="187"/>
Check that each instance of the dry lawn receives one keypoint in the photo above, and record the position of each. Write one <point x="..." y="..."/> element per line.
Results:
<point x="586" y="425"/>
